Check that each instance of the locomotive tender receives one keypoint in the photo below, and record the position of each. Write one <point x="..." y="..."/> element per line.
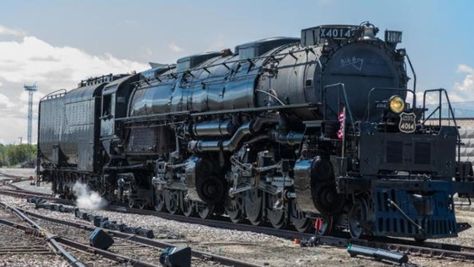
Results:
<point x="289" y="131"/>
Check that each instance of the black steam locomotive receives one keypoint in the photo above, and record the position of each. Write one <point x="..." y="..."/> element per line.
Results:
<point x="308" y="132"/>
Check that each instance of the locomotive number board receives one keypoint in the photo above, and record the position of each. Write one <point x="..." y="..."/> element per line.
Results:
<point x="335" y="33"/>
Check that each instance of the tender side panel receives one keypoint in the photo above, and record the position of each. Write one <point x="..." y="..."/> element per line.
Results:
<point x="79" y="131"/>
<point x="50" y="127"/>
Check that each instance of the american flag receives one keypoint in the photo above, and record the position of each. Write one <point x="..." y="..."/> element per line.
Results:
<point x="342" y="121"/>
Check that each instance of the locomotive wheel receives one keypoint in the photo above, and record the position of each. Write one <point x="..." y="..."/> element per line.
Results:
<point x="327" y="200"/>
<point x="253" y="206"/>
<point x="142" y="205"/>
<point x="172" y="201"/>
<point x="187" y="206"/>
<point x="357" y="217"/>
<point x="159" y="199"/>
<point x="205" y="211"/>
<point x="211" y="189"/>
<point x="299" y="220"/>
<point x="235" y="209"/>
<point x="276" y="216"/>
<point x="131" y="203"/>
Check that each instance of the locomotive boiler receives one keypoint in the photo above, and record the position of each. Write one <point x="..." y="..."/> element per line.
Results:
<point x="282" y="130"/>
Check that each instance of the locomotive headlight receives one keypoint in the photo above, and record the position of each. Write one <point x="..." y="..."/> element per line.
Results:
<point x="396" y="104"/>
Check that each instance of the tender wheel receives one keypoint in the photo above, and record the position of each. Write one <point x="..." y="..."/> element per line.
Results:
<point x="299" y="219"/>
<point x="235" y="208"/>
<point x="253" y="206"/>
<point x="276" y="215"/>
<point x="172" y="201"/>
<point x="357" y="217"/>
<point x="159" y="200"/>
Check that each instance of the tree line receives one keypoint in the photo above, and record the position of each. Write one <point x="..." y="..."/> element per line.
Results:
<point x="13" y="155"/>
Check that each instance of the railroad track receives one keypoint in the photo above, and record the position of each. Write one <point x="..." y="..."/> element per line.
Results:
<point x="12" y="178"/>
<point x="144" y="241"/>
<point x="427" y="249"/>
<point x="37" y="230"/>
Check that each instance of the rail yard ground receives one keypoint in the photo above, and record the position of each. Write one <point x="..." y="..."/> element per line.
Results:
<point x="251" y="247"/>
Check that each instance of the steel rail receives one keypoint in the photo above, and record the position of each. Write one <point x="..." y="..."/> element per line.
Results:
<point x="24" y="193"/>
<point x="12" y="178"/>
<point x="50" y="238"/>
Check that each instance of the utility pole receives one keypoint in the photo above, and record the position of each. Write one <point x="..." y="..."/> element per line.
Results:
<point x="30" y="89"/>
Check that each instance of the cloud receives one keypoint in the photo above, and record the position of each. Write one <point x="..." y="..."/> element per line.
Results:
<point x="175" y="48"/>
<point x="7" y="31"/>
<point x="463" y="91"/>
<point x="25" y="59"/>
<point x="5" y="103"/>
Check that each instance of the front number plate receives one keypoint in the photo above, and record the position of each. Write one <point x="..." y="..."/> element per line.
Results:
<point x="335" y="33"/>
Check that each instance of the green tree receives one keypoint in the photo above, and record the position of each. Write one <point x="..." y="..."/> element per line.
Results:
<point x="11" y="155"/>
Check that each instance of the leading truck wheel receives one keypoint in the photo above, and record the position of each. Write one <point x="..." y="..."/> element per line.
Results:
<point x="357" y="217"/>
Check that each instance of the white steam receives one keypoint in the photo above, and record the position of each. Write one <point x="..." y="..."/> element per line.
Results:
<point x="86" y="198"/>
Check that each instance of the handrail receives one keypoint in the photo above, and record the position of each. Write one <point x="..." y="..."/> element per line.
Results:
<point x="346" y="101"/>
<point x="412" y="71"/>
<point x="54" y="93"/>
<point x="439" y="108"/>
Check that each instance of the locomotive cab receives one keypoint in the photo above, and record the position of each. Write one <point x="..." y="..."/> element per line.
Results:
<point x="115" y="98"/>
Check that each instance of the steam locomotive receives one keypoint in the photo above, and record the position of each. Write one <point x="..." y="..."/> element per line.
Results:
<point x="307" y="132"/>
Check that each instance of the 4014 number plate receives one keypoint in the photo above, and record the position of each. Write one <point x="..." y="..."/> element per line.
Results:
<point x="335" y="33"/>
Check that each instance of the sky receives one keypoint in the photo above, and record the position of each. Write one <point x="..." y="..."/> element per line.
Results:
<point x="57" y="43"/>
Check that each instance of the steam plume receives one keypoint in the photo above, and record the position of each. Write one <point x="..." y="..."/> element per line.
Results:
<point x="86" y="198"/>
